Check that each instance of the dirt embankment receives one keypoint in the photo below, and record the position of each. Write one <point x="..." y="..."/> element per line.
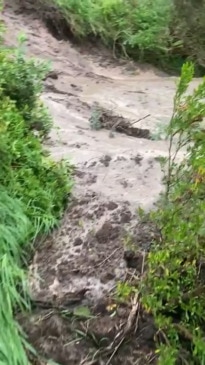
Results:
<point x="74" y="273"/>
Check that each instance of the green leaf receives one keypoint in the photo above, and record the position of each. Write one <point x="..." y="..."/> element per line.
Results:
<point x="83" y="312"/>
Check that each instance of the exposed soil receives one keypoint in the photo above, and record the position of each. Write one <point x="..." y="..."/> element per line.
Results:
<point x="100" y="241"/>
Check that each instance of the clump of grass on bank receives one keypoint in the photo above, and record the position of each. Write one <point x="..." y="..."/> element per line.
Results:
<point x="174" y="287"/>
<point x="164" y="33"/>
<point x="15" y="229"/>
<point x="33" y="188"/>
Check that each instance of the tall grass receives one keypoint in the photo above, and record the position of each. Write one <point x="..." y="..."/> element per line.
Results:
<point x="15" y="229"/>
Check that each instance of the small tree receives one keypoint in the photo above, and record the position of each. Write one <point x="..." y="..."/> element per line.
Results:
<point x="174" y="288"/>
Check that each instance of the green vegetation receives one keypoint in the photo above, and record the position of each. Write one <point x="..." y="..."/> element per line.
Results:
<point x="33" y="188"/>
<point x="160" y="32"/>
<point x="15" y="229"/>
<point x="174" y="287"/>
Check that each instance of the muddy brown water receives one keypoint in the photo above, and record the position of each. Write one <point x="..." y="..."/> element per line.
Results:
<point x="80" y="264"/>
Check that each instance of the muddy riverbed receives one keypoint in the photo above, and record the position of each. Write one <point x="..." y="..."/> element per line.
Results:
<point x="75" y="272"/>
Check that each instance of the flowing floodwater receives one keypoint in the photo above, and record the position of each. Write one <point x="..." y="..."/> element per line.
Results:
<point x="115" y="174"/>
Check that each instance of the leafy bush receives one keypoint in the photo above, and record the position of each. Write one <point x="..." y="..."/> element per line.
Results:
<point x="33" y="188"/>
<point x="21" y="82"/>
<point x="133" y="26"/>
<point x="26" y="169"/>
<point x="165" y="33"/>
<point x="27" y="172"/>
<point x="174" y="288"/>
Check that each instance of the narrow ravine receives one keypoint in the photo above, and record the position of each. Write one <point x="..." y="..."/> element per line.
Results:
<point x="115" y="173"/>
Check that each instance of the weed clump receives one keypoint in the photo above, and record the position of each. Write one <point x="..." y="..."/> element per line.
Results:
<point x="34" y="189"/>
<point x="174" y="287"/>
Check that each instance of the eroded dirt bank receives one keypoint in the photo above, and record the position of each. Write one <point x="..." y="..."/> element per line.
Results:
<point x="115" y="174"/>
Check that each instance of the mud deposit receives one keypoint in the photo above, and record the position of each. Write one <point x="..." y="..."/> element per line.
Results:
<point x="77" y="317"/>
<point x="74" y="273"/>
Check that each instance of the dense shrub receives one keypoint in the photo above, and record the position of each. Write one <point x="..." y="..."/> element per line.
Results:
<point x="27" y="172"/>
<point x="174" y="288"/>
<point x="133" y="27"/>
<point x="21" y="82"/>
<point x="33" y="188"/>
<point x="26" y="169"/>
<point x="162" y="32"/>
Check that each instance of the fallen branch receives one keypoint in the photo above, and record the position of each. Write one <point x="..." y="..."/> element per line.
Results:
<point x="140" y="119"/>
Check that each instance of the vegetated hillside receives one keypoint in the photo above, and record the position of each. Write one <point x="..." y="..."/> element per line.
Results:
<point x="33" y="188"/>
<point x="165" y="33"/>
<point x="174" y="287"/>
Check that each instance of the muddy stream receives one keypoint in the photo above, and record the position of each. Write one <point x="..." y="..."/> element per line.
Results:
<point x="117" y="170"/>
